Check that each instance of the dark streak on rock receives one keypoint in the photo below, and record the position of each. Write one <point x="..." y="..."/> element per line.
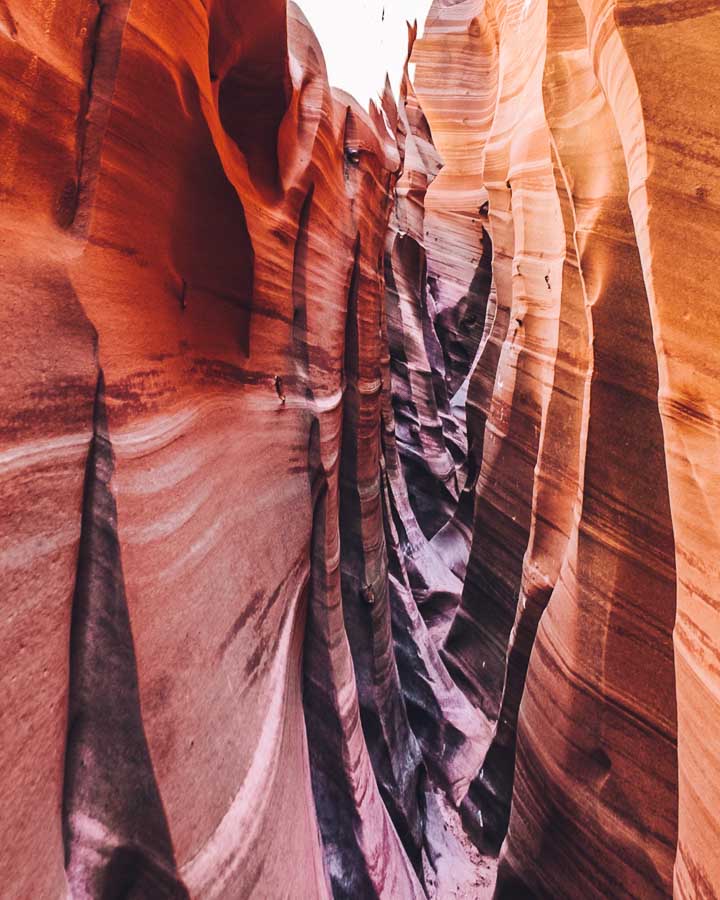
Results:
<point x="94" y="114"/>
<point x="394" y="752"/>
<point x="664" y="13"/>
<point x="247" y="613"/>
<point x="109" y="778"/>
<point x="8" y="20"/>
<point x="300" y="268"/>
<point x="335" y="804"/>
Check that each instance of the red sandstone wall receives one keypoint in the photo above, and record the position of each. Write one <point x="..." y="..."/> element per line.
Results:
<point x="191" y="228"/>
<point x="589" y="432"/>
<point x="260" y="591"/>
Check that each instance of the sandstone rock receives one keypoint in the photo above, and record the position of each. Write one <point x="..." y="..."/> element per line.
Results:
<point x="351" y="456"/>
<point x="573" y="509"/>
<point x="192" y="247"/>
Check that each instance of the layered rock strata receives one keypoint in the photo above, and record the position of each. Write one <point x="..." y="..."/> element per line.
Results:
<point x="578" y="625"/>
<point x="347" y="456"/>
<point x="192" y="225"/>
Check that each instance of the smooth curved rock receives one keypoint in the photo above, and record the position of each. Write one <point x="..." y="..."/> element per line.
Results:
<point x="198" y="238"/>
<point x="351" y="456"/>
<point x="574" y="459"/>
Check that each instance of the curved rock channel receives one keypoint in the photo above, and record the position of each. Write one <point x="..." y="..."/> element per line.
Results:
<point x="359" y="469"/>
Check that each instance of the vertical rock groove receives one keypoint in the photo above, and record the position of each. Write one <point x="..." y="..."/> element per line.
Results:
<point x="300" y="265"/>
<point x="104" y="46"/>
<point x="117" y="841"/>
<point x="393" y="749"/>
<point x="578" y="561"/>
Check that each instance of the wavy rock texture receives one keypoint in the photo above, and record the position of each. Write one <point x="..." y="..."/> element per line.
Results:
<point x="216" y="573"/>
<point x="420" y="429"/>
<point x="192" y="227"/>
<point x="587" y="430"/>
<point x="347" y="457"/>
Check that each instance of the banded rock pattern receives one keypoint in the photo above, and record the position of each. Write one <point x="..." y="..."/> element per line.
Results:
<point x="200" y="698"/>
<point x="585" y="608"/>
<point x="347" y="456"/>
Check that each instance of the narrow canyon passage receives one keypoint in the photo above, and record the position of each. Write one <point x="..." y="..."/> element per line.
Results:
<point x="359" y="467"/>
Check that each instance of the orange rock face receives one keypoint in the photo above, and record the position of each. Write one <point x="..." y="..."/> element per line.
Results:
<point x="192" y="224"/>
<point x="589" y="429"/>
<point x="349" y="456"/>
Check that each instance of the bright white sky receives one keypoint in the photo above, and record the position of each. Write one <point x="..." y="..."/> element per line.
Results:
<point x="360" y="47"/>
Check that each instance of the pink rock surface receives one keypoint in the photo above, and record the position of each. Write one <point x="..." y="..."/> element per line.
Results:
<point x="583" y="499"/>
<point x="197" y="262"/>
<point x="351" y="456"/>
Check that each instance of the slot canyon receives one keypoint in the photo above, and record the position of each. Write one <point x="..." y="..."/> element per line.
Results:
<point x="359" y="467"/>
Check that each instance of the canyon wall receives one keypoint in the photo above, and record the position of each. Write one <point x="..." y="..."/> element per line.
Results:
<point x="192" y="223"/>
<point x="348" y="457"/>
<point x="590" y="599"/>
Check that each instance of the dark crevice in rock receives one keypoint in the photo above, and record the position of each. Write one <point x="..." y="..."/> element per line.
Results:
<point x="104" y="46"/>
<point x="336" y="808"/>
<point x="300" y="270"/>
<point x="395" y="754"/>
<point x="117" y="840"/>
<point x="330" y="733"/>
<point x="460" y="329"/>
<point x="351" y="148"/>
<point x="447" y="728"/>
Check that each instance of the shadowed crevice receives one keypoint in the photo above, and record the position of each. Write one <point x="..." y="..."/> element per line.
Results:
<point x="76" y="202"/>
<point x="394" y="751"/>
<point x="335" y="802"/>
<point x="117" y="840"/>
<point x="300" y="298"/>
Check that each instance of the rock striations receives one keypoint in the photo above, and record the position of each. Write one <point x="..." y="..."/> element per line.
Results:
<point x="590" y="603"/>
<point x="351" y="457"/>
